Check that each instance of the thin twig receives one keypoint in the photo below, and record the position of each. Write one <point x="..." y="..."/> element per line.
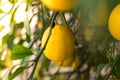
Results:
<point x="63" y="19"/>
<point x="112" y="68"/>
<point x="42" y="49"/>
<point x="114" y="64"/>
<point x="8" y="11"/>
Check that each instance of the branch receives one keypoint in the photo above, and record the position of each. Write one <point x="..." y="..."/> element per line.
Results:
<point x="42" y="49"/>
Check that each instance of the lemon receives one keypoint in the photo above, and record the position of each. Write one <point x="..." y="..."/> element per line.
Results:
<point x="73" y="61"/>
<point x="99" y="15"/>
<point x="114" y="22"/>
<point x="60" y="44"/>
<point x="67" y="62"/>
<point x="60" y="5"/>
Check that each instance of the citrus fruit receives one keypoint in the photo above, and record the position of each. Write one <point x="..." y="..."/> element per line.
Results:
<point x="67" y="62"/>
<point x="73" y="61"/>
<point x="60" y="44"/>
<point x="60" y="5"/>
<point x="99" y="15"/>
<point x="114" y="22"/>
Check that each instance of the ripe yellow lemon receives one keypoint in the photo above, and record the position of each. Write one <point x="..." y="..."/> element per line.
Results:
<point x="114" y="22"/>
<point x="60" y="5"/>
<point x="60" y="44"/>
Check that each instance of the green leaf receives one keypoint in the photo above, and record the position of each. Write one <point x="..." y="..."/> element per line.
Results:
<point x="28" y="38"/>
<point x="20" y="51"/>
<point x="12" y="1"/>
<point x="2" y="66"/>
<point x="100" y="78"/>
<point x="100" y="67"/>
<point x="18" y="26"/>
<point x="56" y="77"/>
<point x="1" y="11"/>
<point x="44" y="64"/>
<point x="17" y="72"/>
<point x="8" y="39"/>
<point x="28" y="3"/>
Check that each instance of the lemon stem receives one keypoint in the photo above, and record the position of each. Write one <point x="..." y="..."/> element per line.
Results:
<point x="63" y="18"/>
<point x="42" y="49"/>
<point x="43" y="20"/>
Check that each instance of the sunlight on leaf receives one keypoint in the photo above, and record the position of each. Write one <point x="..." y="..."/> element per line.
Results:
<point x="20" y="52"/>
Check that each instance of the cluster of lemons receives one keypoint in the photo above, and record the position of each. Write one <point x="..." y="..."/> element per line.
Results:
<point x="61" y="43"/>
<point x="60" y="46"/>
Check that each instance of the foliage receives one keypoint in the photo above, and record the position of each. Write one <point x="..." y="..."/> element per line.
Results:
<point x="21" y="30"/>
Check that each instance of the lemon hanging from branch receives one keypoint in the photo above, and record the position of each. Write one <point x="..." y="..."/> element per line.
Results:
<point x="60" y="44"/>
<point x="60" y="5"/>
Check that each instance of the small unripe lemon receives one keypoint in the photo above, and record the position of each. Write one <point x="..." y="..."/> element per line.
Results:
<point x="60" y="5"/>
<point x="114" y="22"/>
<point x="60" y="44"/>
<point x="99" y="15"/>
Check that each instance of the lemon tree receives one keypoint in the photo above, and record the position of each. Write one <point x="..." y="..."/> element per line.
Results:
<point x="114" y="25"/>
<point x="60" y="44"/>
<point x="59" y="39"/>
